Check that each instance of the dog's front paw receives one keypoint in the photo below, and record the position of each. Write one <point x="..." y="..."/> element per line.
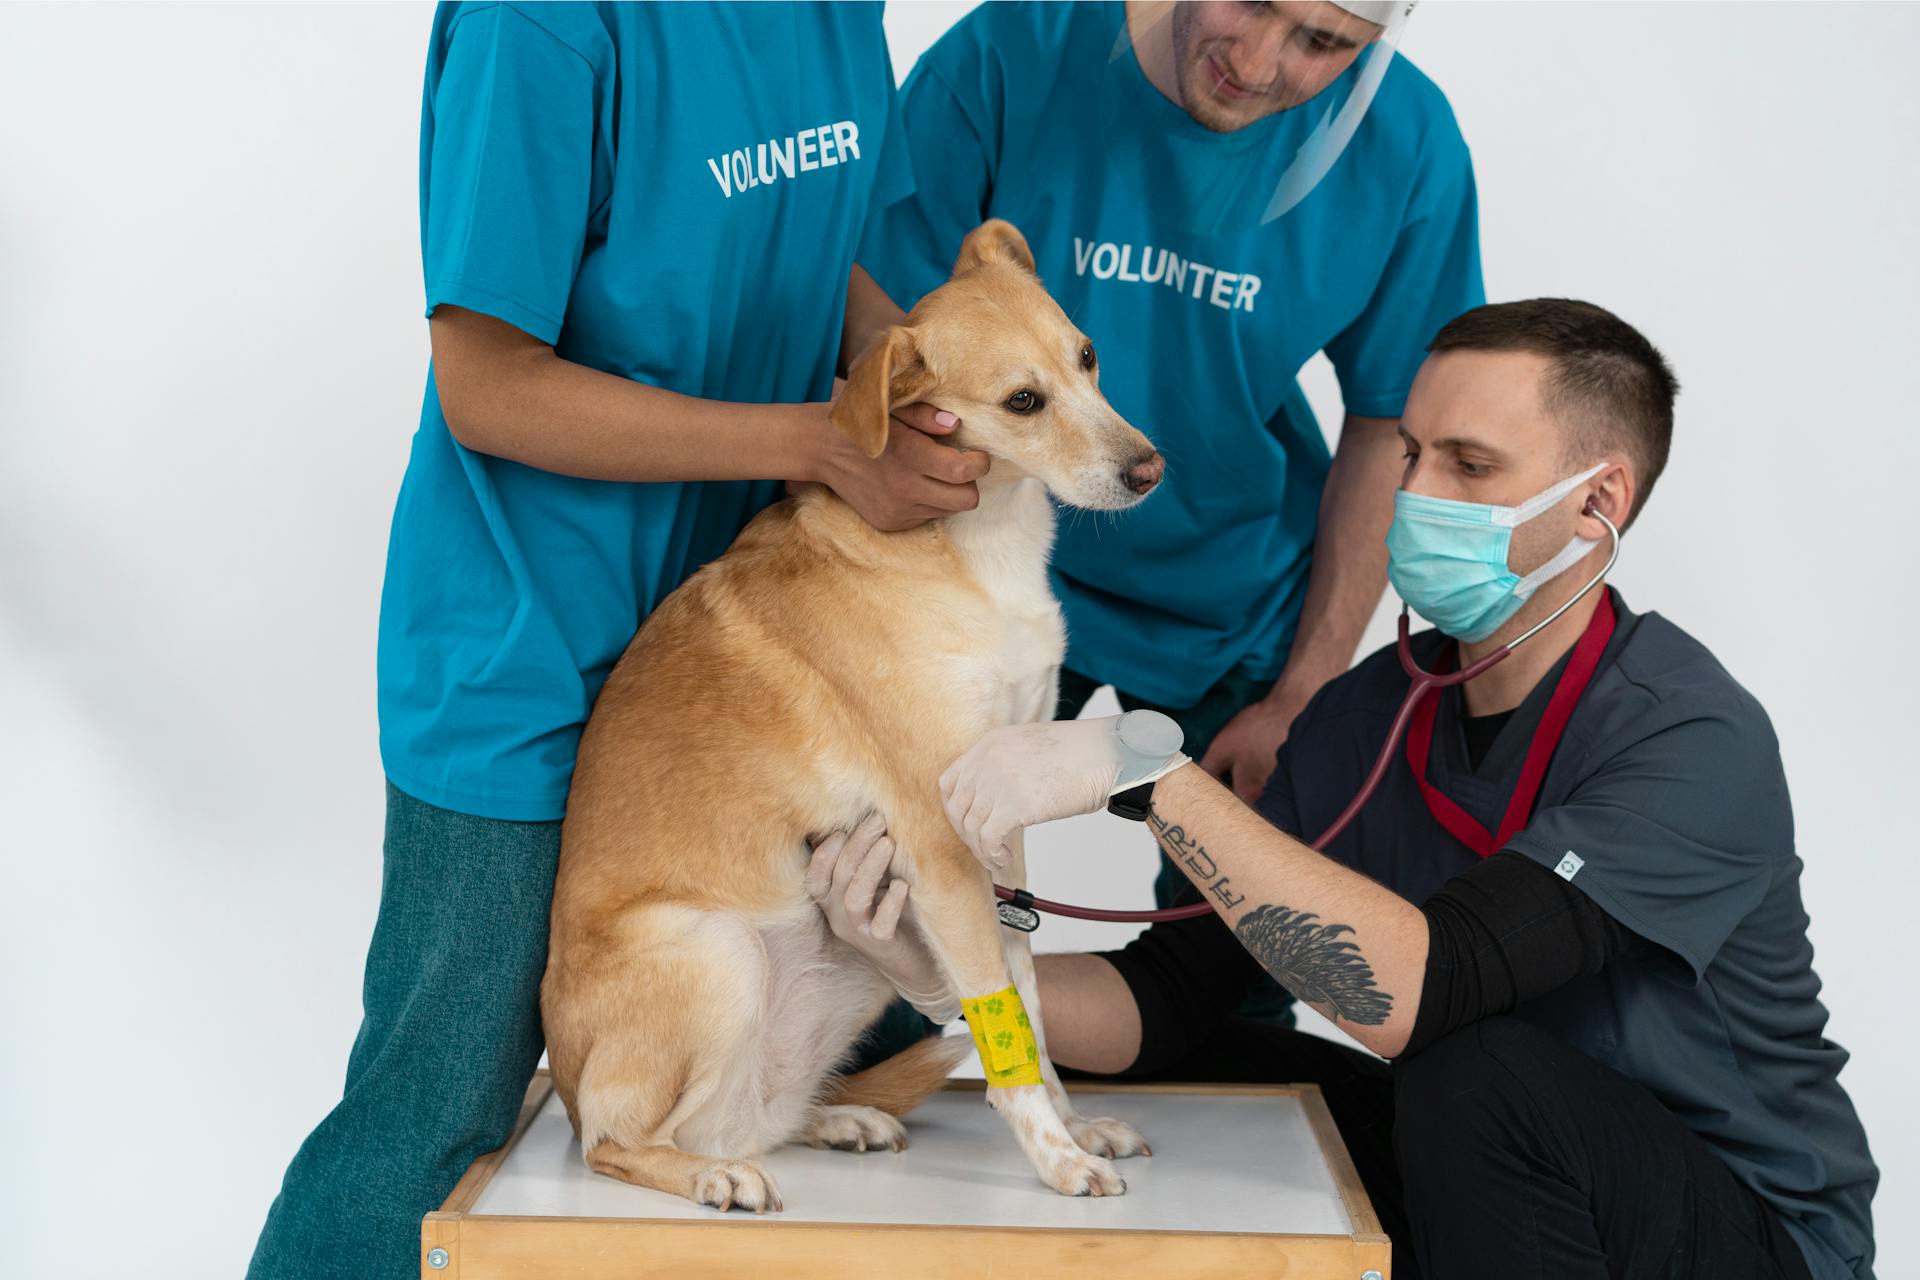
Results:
<point x="1104" y="1136"/>
<point x="1080" y="1174"/>
<point x="736" y="1182"/>
<point x="849" y="1128"/>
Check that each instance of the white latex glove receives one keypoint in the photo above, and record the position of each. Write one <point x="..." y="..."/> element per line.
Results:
<point x="843" y="878"/>
<point x="1030" y="773"/>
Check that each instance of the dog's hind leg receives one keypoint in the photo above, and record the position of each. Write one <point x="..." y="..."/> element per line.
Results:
<point x="854" y="1128"/>
<point x="954" y="902"/>
<point x="658" y="1039"/>
<point x="719" y="1183"/>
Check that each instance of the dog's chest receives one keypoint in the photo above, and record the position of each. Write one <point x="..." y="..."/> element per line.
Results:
<point x="1014" y="675"/>
<point x="1026" y="665"/>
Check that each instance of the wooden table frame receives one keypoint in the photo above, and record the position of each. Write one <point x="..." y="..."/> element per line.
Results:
<point x="490" y="1247"/>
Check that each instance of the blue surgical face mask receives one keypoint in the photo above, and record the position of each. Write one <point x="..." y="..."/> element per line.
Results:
<point x="1448" y="559"/>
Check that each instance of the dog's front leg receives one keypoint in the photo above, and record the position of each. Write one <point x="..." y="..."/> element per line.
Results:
<point x="1100" y="1135"/>
<point x="955" y="906"/>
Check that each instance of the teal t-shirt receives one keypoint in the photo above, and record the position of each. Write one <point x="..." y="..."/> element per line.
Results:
<point x="672" y="193"/>
<point x="1146" y="228"/>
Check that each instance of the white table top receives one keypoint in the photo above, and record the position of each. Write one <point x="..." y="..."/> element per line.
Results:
<point x="1221" y="1163"/>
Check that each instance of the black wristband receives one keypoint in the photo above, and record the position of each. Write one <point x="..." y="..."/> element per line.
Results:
<point x="1132" y="804"/>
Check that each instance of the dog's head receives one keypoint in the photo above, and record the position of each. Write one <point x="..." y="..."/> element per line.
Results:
<point x="991" y="347"/>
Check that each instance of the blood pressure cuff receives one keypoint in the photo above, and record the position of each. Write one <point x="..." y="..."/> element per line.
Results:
<point x="1503" y="932"/>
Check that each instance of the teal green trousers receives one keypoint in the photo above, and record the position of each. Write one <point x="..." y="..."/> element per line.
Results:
<point x="449" y="1039"/>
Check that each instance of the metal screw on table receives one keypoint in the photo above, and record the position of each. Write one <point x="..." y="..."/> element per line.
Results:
<point x="1370" y="1275"/>
<point x="437" y="1259"/>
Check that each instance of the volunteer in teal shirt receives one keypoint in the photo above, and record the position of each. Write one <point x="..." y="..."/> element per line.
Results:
<point x="1143" y="202"/>
<point x="675" y="228"/>
<point x="638" y="226"/>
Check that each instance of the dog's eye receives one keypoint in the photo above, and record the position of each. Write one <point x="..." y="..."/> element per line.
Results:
<point x="1024" y="401"/>
<point x="1086" y="356"/>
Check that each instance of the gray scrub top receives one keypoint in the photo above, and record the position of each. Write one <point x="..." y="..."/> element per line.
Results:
<point x="1666" y="803"/>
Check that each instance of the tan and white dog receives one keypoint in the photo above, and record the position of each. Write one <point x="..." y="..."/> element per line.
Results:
<point x="695" y="1002"/>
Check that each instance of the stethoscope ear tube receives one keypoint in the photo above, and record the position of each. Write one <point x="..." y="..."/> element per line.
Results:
<point x="1613" y="554"/>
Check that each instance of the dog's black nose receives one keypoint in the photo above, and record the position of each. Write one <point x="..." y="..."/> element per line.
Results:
<point x="1146" y="473"/>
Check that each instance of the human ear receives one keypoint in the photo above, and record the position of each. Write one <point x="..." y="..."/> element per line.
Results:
<point x="1612" y="496"/>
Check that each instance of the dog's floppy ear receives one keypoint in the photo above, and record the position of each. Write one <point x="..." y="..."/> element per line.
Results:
<point x="887" y="374"/>
<point x="995" y="240"/>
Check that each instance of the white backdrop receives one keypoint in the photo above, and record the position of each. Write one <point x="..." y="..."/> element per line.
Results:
<point x="211" y="359"/>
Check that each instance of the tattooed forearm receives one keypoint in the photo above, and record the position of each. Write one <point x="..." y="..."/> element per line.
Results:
<point x="1187" y="851"/>
<point x="1307" y="957"/>
<point x="1315" y="963"/>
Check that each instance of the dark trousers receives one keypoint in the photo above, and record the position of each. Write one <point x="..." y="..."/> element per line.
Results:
<point x="1503" y="1151"/>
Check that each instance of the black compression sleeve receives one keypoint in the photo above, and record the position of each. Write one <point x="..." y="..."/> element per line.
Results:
<point x="1500" y="934"/>
<point x="1185" y="976"/>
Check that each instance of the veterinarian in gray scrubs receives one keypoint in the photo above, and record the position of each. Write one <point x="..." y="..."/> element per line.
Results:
<point x="1570" y="917"/>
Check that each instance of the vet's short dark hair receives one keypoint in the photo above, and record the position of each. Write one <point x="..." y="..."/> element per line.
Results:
<point x="1608" y="387"/>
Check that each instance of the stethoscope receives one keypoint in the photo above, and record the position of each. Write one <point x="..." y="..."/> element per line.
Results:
<point x="1423" y="682"/>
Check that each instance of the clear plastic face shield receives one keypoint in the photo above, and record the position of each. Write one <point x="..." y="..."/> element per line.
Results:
<point x="1222" y="116"/>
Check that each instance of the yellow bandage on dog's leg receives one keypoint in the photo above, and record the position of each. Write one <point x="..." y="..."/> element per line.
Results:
<point x="1003" y="1034"/>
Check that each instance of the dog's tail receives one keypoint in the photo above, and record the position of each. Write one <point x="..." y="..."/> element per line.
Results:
<point x="905" y="1080"/>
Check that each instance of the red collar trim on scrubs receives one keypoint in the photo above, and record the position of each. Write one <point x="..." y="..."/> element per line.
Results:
<point x="1573" y="682"/>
